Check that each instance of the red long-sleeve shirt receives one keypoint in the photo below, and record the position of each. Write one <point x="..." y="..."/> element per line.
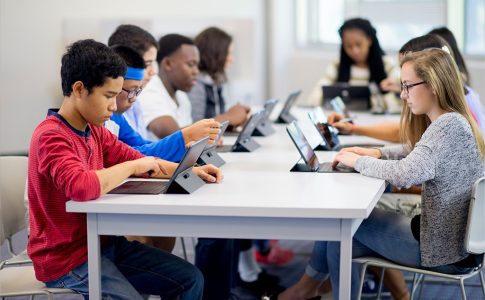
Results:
<point x="62" y="165"/>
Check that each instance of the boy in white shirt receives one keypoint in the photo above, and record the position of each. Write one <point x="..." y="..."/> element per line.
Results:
<point x="164" y="102"/>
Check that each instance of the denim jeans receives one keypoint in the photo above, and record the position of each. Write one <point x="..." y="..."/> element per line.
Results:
<point x="129" y="269"/>
<point x="384" y="234"/>
<point x="217" y="259"/>
<point x="262" y="245"/>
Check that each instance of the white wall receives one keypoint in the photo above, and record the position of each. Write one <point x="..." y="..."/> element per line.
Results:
<point x="33" y="36"/>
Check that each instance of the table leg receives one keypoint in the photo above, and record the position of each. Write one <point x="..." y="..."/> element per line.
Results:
<point x="345" y="259"/>
<point x="94" y="254"/>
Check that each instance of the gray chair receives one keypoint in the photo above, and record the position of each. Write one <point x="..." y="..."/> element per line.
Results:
<point x="474" y="243"/>
<point x="17" y="277"/>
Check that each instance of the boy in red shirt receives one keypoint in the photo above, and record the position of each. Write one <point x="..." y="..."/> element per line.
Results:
<point x="72" y="156"/>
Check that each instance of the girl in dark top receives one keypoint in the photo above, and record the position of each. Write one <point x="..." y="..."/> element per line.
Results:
<point x="207" y="97"/>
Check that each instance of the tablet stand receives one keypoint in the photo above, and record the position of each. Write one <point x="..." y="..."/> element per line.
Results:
<point x="185" y="183"/>
<point x="210" y="156"/>
<point x="263" y="129"/>
<point x="301" y="167"/>
<point x="322" y="147"/>
<point x="285" y="119"/>
<point x="247" y="145"/>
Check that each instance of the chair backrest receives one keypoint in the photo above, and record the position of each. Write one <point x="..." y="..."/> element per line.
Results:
<point x="13" y="175"/>
<point x="475" y="234"/>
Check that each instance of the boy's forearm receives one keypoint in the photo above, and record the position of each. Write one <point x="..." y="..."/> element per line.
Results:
<point x="111" y="177"/>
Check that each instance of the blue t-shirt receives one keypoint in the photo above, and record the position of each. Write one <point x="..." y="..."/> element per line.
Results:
<point x="171" y="148"/>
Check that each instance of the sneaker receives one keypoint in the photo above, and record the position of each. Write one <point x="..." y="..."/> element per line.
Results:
<point x="265" y="284"/>
<point x="371" y="286"/>
<point x="277" y="256"/>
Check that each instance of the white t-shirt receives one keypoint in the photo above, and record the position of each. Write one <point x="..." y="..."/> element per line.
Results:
<point x="156" y="102"/>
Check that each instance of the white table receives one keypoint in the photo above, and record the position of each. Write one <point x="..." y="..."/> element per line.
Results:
<point x="258" y="199"/>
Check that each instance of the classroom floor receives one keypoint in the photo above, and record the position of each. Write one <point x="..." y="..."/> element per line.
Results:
<point x="291" y="272"/>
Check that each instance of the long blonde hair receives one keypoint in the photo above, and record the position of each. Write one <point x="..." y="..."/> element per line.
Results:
<point x="438" y="69"/>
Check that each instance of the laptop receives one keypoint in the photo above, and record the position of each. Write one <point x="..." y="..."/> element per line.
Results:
<point x="264" y="127"/>
<point x="244" y="142"/>
<point x="355" y="97"/>
<point x="209" y="155"/>
<point x="140" y="186"/>
<point x="311" y="163"/>
<point x="329" y="133"/>
<point x="285" y="117"/>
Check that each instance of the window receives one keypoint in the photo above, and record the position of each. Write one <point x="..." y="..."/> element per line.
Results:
<point x="319" y="20"/>
<point x="475" y="27"/>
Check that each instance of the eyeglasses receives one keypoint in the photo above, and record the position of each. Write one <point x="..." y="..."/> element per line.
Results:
<point x="131" y="95"/>
<point x="405" y="87"/>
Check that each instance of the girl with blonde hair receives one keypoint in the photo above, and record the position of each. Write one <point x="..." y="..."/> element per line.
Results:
<point x="443" y="150"/>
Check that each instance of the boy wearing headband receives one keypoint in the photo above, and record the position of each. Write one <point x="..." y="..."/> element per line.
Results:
<point x="170" y="148"/>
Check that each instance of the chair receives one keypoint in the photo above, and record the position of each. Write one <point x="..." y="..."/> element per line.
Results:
<point x="17" y="276"/>
<point x="474" y="243"/>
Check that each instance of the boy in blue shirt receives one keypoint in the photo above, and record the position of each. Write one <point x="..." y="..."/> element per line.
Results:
<point x="172" y="147"/>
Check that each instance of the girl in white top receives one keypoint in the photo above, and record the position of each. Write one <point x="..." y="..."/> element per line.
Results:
<point x="361" y="61"/>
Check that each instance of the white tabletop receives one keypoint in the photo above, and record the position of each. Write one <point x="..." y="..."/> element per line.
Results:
<point x="260" y="184"/>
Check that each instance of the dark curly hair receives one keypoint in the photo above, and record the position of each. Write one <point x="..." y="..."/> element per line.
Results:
<point x="91" y="63"/>
<point x="213" y="44"/>
<point x="134" y="37"/>
<point x="130" y="56"/>
<point x="374" y="58"/>
<point x="170" y="43"/>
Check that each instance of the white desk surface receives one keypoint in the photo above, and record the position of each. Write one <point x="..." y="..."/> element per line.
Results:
<point x="260" y="184"/>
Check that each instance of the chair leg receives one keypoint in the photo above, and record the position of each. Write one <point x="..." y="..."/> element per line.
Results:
<point x="361" y="284"/>
<point x="413" y="285"/>
<point x="10" y="246"/>
<point x="184" y="249"/>
<point x="421" y="288"/>
<point x="462" y="286"/>
<point x="483" y="283"/>
<point x="381" y="283"/>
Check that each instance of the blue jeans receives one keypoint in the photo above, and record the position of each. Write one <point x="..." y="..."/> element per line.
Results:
<point x="384" y="234"/>
<point x="217" y="259"/>
<point x="262" y="245"/>
<point x="131" y="268"/>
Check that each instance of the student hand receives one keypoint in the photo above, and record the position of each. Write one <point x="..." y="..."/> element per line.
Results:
<point x="149" y="166"/>
<point x="237" y="114"/>
<point x="389" y="85"/>
<point x="209" y="173"/>
<point x="346" y="158"/>
<point x="372" y="152"/>
<point x="201" y="129"/>
<point x="334" y="117"/>
<point x="344" y="127"/>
